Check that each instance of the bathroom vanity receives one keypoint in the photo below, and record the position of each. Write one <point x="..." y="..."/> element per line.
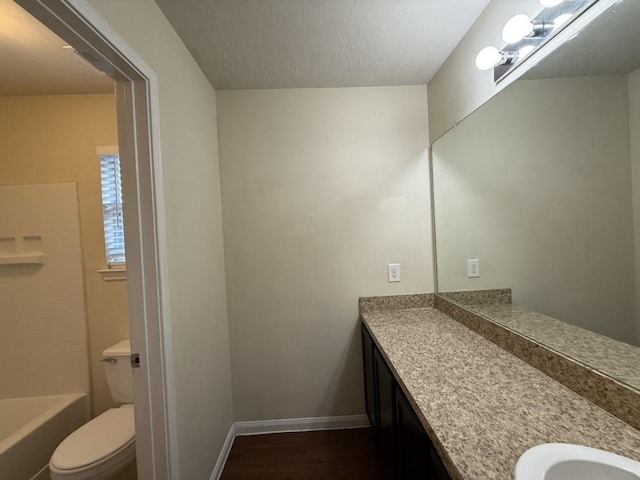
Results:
<point x="445" y="402"/>
<point x="536" y="213"/>
<point x="406" y="447"/>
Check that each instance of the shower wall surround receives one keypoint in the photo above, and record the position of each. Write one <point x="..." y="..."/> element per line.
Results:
<point x="43" y="325"/>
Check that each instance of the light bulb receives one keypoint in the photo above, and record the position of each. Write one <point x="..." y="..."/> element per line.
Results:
<point x="524" y="51"/>
<point x="550" y="3"/>
<point x="488" y="58"/>
<point x="517" y="28"/>
<point x="561" y="20"/>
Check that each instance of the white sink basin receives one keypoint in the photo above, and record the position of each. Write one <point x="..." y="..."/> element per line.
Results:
<point x="562" y="461"/>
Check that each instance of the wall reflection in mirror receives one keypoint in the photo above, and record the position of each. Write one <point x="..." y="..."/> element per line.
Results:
<point x="542" y="186"/>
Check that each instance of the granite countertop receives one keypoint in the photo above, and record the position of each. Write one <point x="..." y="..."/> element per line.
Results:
<point x="611" y="357"/>
<point x="483" y="406"/>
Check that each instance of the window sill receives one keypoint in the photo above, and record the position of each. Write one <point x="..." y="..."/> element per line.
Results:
<point x="113" y="274"/>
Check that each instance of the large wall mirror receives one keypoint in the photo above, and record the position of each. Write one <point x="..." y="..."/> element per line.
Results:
<point x="541" y="185"/>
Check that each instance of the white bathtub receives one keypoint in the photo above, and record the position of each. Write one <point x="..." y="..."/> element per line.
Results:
<point x="31" y="429"/>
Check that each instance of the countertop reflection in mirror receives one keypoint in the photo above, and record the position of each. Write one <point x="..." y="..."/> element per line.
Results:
<point x="542" y="186"/>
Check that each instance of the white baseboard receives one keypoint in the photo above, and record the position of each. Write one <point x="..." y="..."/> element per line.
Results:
<point x="261" y="427"/>
<point x="301" y="424"/>
<point x="43" y="474"/>
<point x="224" y="453"/>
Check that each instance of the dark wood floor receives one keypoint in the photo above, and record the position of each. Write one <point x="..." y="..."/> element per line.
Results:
<point x="333" y="454"/>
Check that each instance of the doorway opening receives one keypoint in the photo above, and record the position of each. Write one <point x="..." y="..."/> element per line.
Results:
<point x="138" y="140"/>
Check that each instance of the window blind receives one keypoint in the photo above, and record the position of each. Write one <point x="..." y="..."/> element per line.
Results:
<point x="112" y="208"/>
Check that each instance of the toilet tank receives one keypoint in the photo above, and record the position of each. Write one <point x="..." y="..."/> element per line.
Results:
<point x="117" y="363"/>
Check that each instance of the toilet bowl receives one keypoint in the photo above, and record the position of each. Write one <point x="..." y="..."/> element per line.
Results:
<point x="104" y="448"/>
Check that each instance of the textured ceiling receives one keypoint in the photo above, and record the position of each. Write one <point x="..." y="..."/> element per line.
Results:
<point x="320" y="43"/>
<point x="33" y="62"/>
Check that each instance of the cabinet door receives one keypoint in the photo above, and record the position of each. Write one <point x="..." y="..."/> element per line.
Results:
<point x="413" y="445"/>
<point x="385" y="396"/>
<point x="369" y="378"/>
<point x="417" y="459"/>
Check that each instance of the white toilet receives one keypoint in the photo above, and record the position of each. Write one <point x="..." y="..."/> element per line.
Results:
<point x="104" y="448"/>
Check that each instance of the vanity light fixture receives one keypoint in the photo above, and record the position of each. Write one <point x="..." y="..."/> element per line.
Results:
<point x="561" y="20"/>
<point x="524" y="51"/>
<point x="550" y="3"/>
<point x="523" y="35"/>
<point x="522" y="26"/>
<point x="489" y="57"/>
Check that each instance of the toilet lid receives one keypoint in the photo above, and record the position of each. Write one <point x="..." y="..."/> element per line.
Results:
<point x="101" y="437"/>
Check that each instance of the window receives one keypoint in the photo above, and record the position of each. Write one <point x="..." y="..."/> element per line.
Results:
<point x="111" y="183"/>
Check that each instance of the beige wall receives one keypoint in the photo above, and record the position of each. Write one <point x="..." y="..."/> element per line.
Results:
<point x="537" y="181"/>
<point x="53" y="139"/>
<point x="322" y="188"/>
<point x="634" y="135"/>
<point x="458" y="88"/>
<point x="203" y="410"/>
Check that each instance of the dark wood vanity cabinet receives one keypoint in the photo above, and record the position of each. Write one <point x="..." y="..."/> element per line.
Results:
<point x="413" y="460"/>
<point x="385" y="396"/>
<point x="369" y="377"/>
<point x="417" y="458"/>
<point x="404" y="445"/>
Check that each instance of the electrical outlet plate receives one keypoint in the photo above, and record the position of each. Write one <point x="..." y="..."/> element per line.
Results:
<point x="473" y="268"/>
<point x="393" y="272"/>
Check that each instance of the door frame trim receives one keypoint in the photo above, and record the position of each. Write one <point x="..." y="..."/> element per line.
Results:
<point x="79" y="24"/>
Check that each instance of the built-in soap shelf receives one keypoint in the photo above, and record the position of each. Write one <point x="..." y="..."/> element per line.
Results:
<point x="21" y="250"/>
